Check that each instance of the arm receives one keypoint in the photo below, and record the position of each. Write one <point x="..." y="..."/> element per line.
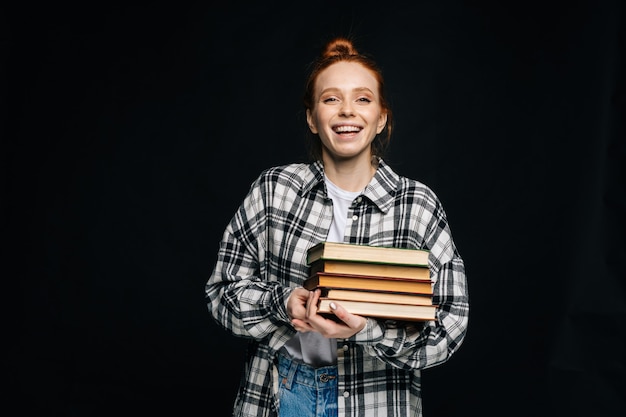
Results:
<point x="240" y="296"/>
<point x="411" y="345"/>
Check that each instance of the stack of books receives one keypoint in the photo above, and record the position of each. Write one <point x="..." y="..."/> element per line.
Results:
<point x="374" y="281"/>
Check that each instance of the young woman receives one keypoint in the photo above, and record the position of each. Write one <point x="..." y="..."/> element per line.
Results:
<point x="300" y="363"/>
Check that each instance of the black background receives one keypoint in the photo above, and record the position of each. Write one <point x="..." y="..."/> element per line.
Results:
<point x="131" y="134"/>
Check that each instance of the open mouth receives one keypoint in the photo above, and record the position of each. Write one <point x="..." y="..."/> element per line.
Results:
<point x="347" y="129"/>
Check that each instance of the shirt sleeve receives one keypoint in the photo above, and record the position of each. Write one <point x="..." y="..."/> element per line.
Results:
<point x="414" y="345"/>
<point x="239" y="296"/>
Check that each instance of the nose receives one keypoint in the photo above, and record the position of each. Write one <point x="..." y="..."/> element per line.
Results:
<point x="346" y="109"/>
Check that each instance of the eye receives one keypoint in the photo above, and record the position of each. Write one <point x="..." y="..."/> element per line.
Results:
<point x="329" y="99"/>
<point x="364" y="100"/>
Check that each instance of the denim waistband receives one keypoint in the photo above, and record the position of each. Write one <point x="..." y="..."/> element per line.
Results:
<point x="291" y="371"/>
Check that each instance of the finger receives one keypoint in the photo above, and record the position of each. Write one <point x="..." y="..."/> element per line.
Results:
<point x="351" y="320"/>
<point x="311" y="304"/>
<point x="301" y="325"/>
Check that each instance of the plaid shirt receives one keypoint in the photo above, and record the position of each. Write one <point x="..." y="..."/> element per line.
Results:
<point x="262" y="257"/>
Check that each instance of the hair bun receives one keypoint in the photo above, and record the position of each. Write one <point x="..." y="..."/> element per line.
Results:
<point x="339" y="47"/>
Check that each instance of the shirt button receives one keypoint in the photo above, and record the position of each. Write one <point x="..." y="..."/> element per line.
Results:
<point x="359" y="199"/>
<point x="355" y="217"/>
<point x="346" y="394"/>
<point x="345" y="348"/>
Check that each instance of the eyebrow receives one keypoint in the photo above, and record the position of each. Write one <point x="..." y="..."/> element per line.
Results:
<point x="357" y="90"/>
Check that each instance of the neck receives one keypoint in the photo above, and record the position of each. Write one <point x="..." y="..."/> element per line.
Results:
<point x="349" y="175"/>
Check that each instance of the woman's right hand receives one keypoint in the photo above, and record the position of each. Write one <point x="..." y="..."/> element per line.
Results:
<point x="297" y="309"/>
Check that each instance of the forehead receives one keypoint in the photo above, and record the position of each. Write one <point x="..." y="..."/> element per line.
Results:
<point x="347" y="75"/>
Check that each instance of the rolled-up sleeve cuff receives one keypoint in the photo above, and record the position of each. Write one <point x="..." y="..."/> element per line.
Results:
<point x="370" y="334"/>
<point x="282" y="308"/>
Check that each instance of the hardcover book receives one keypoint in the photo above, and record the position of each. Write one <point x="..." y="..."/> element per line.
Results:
<point x="362" y="282"/>
<point x="366" y="253"/>
<point x="368" y="268"/>
<point x="382" y="310"/>
<point x="376" y="296"/>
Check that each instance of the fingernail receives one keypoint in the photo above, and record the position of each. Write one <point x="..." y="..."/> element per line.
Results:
<point x="333" y="305"/>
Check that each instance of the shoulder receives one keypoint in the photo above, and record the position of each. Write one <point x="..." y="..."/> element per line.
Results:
<point x="412" y="185"/>
<point x="412" y="190"/>
<point x="287" y="170"/>
<point x="295" y="172"/>
<point x="292" y="176"/>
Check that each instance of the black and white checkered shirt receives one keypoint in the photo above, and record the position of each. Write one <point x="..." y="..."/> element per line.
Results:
<point x="262" y="257"/>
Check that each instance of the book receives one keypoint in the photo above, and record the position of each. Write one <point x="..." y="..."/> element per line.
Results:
<point x="368" y="268"/>
<point x="363" y="282"/>
<point x="381" y="310"/>
<point x="376" y="296"/>
<point x="374" y="254"/>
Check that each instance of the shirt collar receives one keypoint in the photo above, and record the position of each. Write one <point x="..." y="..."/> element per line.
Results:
<point x="380" y="191"/>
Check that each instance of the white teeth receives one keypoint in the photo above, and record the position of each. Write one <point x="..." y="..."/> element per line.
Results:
<point x="342" y="129"/>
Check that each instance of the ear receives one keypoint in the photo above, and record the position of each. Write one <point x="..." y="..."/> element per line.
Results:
<point x="309" y="120"/>
<point x="382" y="121"/>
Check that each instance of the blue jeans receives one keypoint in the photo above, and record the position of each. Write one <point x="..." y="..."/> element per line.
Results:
<point x="305" y="391"/>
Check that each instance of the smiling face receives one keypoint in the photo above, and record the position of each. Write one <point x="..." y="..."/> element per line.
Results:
<point x="347" y="114"/>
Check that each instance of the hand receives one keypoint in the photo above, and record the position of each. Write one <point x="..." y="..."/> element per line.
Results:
<point x="297" y="309"/>
<point x="346" y="326"/>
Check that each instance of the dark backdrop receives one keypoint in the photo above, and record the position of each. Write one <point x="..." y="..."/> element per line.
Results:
<point x="131" y="134"/>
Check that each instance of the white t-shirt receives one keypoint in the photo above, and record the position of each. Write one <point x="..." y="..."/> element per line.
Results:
<point x="311" y="347"/>
<point x="342" y="200"/>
